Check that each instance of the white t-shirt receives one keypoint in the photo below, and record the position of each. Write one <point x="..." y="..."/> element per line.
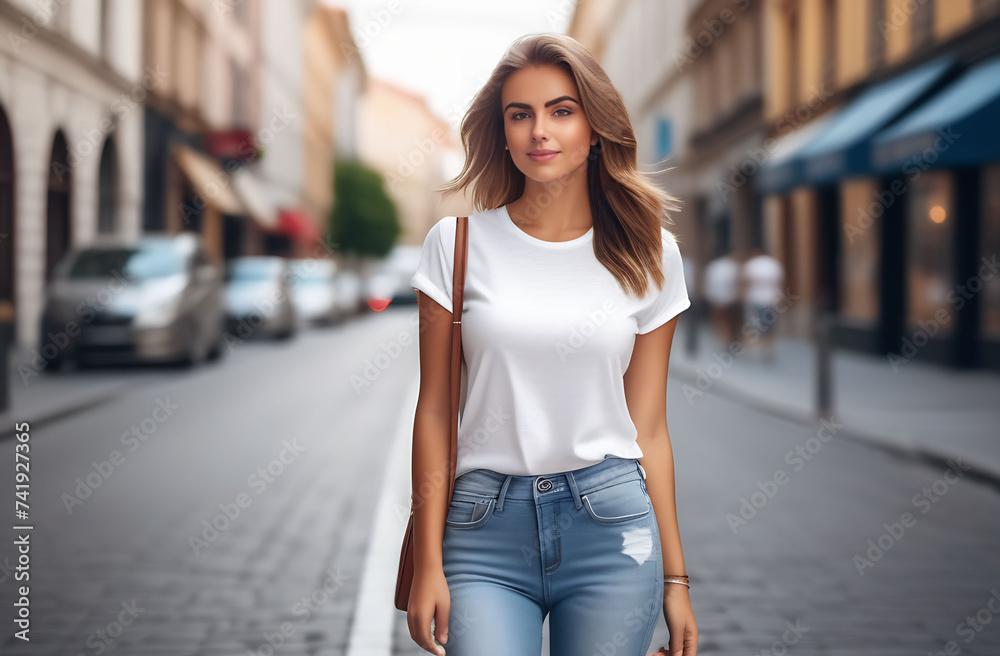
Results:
<point x="548" y="334"/>
<point x="721" y="278"/>
<point x="763" y="275"/>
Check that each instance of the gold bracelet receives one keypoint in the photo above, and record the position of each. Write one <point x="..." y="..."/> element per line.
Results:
<point x="665" y="581"/>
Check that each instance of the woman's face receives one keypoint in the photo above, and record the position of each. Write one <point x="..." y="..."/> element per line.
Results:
<point x="547" y="131"/>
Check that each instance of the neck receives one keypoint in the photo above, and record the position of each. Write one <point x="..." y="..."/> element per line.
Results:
<point x="557" y="207"/>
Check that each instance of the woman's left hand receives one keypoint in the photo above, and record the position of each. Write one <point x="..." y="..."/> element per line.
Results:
<point x="680" y="621"/>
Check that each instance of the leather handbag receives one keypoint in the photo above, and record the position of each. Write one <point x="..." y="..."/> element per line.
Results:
<point x="404" y="575"/>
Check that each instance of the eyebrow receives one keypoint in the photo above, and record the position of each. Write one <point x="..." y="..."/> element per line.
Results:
<point x="554" y="101"/>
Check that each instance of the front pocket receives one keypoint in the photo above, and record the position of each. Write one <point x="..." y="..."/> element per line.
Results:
<point x="466" y="511"/>
<point x="621" y="502"/>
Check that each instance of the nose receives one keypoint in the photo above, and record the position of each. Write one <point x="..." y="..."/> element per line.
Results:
<point x="539" y="131"/>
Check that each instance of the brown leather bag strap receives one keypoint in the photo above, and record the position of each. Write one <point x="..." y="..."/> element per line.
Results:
<point x="457" y="296"/>
<point x="404" y="574"/>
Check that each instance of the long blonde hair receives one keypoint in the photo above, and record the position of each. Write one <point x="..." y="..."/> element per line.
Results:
<point x="625" y="203"/>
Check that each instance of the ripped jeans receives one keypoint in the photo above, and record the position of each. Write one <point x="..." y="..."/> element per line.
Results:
<point x="581" y="546"/>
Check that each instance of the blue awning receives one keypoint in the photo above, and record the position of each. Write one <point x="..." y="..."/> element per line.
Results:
<point x="843" y="149"/>
<point x="783" y="168"/>
<point x="958" y="126"/>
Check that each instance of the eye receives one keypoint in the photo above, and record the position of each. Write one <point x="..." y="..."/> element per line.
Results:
<point x="515" y="115"/>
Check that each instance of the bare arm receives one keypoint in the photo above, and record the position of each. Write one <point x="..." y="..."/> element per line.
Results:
<point x="431" y="433"/>
<point x="646" y="395"/>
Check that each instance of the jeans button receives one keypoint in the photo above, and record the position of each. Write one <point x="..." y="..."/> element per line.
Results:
<point x="544" y="485"/>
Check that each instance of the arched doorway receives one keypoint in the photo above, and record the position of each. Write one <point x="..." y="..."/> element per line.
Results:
<point x="6" y="210"/>
<point x="57" y="211"/>
<point x="107" y="202"/>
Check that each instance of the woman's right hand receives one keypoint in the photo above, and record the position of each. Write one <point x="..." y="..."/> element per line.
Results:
<point x="429" y="599"/>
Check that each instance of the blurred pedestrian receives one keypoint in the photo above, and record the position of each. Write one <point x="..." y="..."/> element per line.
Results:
<point x="562" y="448"/>
<point x="762" y="280"/>
<point x="721" y="291"/>
<point x="689" y="276"/>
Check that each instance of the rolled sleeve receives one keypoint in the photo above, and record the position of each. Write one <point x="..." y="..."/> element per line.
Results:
<point x="670" y="301"/>
<point x="434" y="273"/>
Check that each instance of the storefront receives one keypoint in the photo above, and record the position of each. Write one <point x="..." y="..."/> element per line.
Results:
<point x="947" y="152"/>
<point x="205" y="183"/>
<point x="791" y="215"/>
<point x="906" y="217"/>
<point x="862" y="232"/>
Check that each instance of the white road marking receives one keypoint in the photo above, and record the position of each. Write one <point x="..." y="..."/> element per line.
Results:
<point x="371" y="631"/>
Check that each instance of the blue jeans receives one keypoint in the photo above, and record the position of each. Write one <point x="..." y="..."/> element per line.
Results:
<point x="581" y="546"/>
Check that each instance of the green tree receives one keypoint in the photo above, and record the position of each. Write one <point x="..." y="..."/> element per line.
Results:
<point x="364" y="221"/>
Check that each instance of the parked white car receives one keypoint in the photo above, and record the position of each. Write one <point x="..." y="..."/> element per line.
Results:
<point x="258" y="297"/>
<point x="314" y="291"/>
<point x="157" y="298"/>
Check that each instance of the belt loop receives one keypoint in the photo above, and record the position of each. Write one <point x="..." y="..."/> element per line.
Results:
<point x="578" y="502"/>
<point x="503" y="493"/>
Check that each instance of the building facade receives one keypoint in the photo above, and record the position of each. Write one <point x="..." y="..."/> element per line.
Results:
<point x="401" y="137"/>
<point x="72" y="92"/>
<point x="827" y="133"/>
<point x="201" y="123"/>
<point x="335" y="80"/>
<point x="636" y="42"/>
<point x="875" y="220"/>
<point x="690" y="73"/>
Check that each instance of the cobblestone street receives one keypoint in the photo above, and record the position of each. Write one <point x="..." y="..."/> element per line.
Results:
<point x="241" y="522"/>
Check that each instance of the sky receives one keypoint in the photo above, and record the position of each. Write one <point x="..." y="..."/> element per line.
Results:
<point x="445" y="50"/>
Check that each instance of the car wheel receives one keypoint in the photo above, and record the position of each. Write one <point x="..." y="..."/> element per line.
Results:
<point x="215" y="353"/>
<point x="288" y="331"/>
<point x="197" y="353"/>
<point x="188" y="360"/>
<point x="55" y="365"/>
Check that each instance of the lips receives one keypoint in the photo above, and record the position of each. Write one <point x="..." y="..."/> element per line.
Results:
<point x="542" y="155"/>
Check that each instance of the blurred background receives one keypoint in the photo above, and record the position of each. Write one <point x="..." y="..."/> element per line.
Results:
<point x="209" y="214"/>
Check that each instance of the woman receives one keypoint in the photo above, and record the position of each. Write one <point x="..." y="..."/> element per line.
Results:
<point x="563" y="503"/>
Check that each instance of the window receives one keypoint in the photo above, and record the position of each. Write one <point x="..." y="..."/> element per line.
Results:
<point x="725" y="60"/>
<point x="984" y="8"/>
<point x="859" y="266"/>
<point x="59" y="18"/>
<point x="876" y="40"/>
<point x="240" y="12"/>
<point x="663" y="138"/>
<point x="142" y="262"/>
<point x="703" y="81"/>
<point x="239" y="100"/>
<point x="930" y="247"/>
<point x="793" y="59"/>
<point x="107" y="199"/>
<point x="829" y="71"/>
<point x="750" y="52"/>
<point x="715" y="91"/>
<point x="989" y="247"/>
<point x="106" y="33"/>
<point x="922" y="22"/>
